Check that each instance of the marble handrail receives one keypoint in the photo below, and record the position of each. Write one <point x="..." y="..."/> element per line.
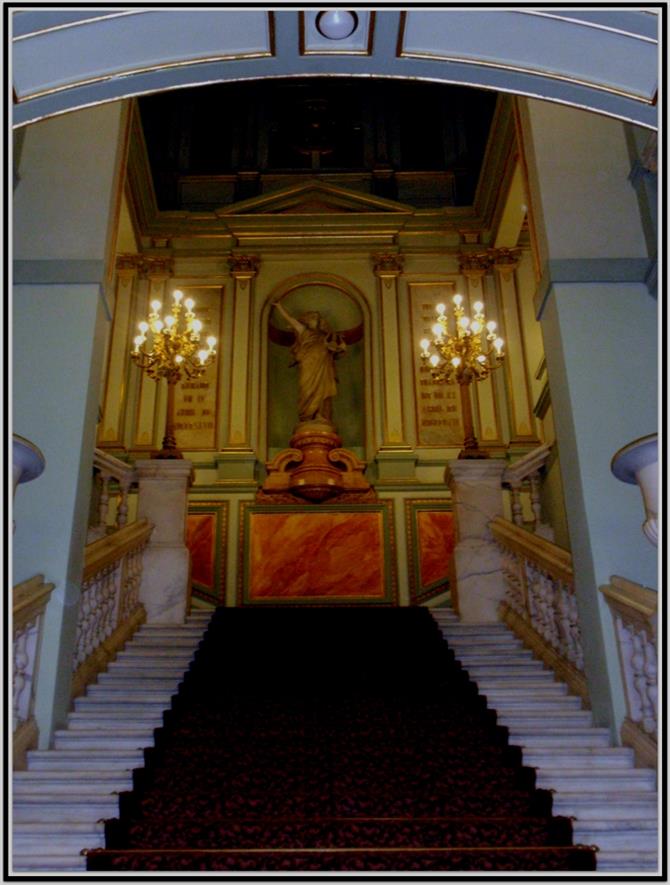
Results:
<point x="634" y="610"/>
<point x="524" y="474"/>
<point x="29" y="601"/>
<point x="109" y="608"/>
<point x="109" y="468"/>
<point x="540" y="603"/>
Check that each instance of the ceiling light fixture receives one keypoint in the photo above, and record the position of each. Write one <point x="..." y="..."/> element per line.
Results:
<point x="336" y="24"/>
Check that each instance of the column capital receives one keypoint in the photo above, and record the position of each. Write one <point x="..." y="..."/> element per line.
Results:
<point x="244" y="267"/>
<point x="388" y="266"/>
<point x="505" y="261"/>
<point x="474" y="266"/>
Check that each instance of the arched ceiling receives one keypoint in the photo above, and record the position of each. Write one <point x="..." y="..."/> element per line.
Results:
<point x="606" y="60"/>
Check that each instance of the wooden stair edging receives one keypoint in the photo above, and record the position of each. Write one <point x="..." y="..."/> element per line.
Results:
<point x="564" y="670"/>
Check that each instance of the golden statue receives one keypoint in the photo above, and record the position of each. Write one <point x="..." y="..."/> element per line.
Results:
<point x="315" y="348"/>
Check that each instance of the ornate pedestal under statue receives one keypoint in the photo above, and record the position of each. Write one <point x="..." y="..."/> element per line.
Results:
<point x="163" y="486"/>
<point x="477" y="498"/>
<point x="315" y="467"/>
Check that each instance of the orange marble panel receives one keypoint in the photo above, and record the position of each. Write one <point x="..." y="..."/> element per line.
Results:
<point x="201" y="540"/>
<point x="436" y="545"/>
<point x="316" y="555"/>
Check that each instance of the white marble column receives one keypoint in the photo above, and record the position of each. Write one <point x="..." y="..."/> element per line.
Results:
<point x="477" y="499"/>
<point x="163" y="487"/>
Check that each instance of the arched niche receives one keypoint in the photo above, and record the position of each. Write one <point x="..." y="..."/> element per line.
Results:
<point x="342" y="305"/>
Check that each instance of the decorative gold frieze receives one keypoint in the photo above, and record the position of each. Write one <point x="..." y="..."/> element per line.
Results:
<point x="505" y="261"/>
<point x="244" y="266"/>
<point x="388" y="263"/>
<point x="129" y="264"/>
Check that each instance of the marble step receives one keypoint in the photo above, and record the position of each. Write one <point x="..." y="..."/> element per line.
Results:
<point x="132" y="692"/>
<point x="588" y="780"/>
<point x="100" y="739"/>
<point x="510" y="672"/>
<point x="535" y="715"/>
<point x="510" y="657"/>
<point x="617" y="835"/>
<point x="533" y="705"/>
<point x="474" y="630"/>
<point x="181" y="643"/>
<point x="72" y="760"/>
<point x="123" y="678"/>
<point x="126" y="669"/>
<point x="626" y="861"/>
<point x="74" y="786"/>
<point x="69" y="776"/>
<point x="586" y="806"/>
<point x="526" y="686"/>
<point x="52" y="863"/>
<point x="484" y="643"/>
<point x="132" y="652"/>
<point x="111" y="720"/>
<point x="59" y="837"/>
<point x="574" y="757"/>
<point x="549" y="734"/>
<point x="125" y="708"/>
<point x="47" y="807"/>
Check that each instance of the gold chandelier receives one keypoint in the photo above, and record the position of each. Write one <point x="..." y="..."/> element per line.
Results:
<point x="174" y="352"/>
<point x="467" y="353"/>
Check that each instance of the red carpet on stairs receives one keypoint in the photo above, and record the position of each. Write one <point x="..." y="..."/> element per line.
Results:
<point x="333" y="740"/>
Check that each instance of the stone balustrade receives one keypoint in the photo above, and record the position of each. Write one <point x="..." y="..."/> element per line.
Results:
<point x="109" y="609"/>
<point x="30" y="600"/>
<point x="524" y="476"/>
<point x="109" y="470"/>
<point x="540" y="603"/>
<point x="634" y="610"/>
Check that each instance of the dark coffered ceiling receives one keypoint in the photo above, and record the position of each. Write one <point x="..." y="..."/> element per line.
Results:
<point x="417" y="143"/>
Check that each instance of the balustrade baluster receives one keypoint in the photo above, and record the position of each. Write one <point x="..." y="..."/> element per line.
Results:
<point x="649" y="721"/>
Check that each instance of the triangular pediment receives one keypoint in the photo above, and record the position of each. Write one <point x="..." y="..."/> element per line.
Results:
<point x="315" y="198"/>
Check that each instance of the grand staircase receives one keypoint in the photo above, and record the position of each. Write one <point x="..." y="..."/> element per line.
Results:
<point x="60" y="801"/>
<point x="614" y="804"/>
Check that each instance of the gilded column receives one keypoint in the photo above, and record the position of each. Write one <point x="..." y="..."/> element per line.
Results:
<point x="115" y="396"/>
<point x="157" y="271"/>
<point x="522" y="423"/>
<point x="393" y="454"/>
<point x="475" y="268"/>
<point x="243" y="269"/>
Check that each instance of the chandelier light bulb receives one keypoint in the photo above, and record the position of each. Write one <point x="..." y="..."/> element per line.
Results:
<point x="437" y="330"/>
<point x="498" y="344"/>
<point x="476" y="327"/>
<point x="481" y="358"/>
<point x="478" y="307"/>
<point x="464" y="322"/>
<point x="211" y="341"/>
<point x="491" y="326"/>
<point x="440" y="308"/>
<point x="189" y="303"/>
<point x="137" y="340"/>
<point x="458" y="300"/>
<point x="177" y="295"/>
<point x="424" y="344"/>
<point x="170" y="321"/>
<point x="197" y="325"/>
<point x="179" y="358"/>
<point x="456" y="361"/>
<point x="158" y="325"/>
<point x="434" y="360"/>
<point x="156" y="306"/>
<point x="202" y="355"/>
<point x="143" y="327"/>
